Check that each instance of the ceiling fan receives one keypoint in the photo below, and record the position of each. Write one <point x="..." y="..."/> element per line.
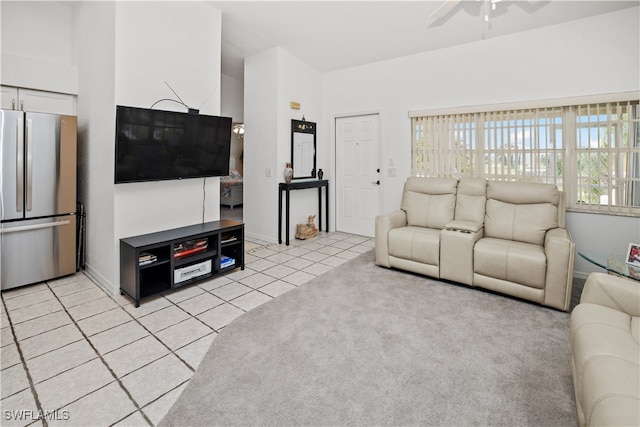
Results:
<point x="448" y="5"/>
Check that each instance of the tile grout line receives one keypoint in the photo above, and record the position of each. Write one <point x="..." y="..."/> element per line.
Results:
<point x="152" y="334"/>
<point x="103" y="362"/>
<point x="158" y="398"/>
<point x="136" y="319"/>
<point x="25" y="367"/>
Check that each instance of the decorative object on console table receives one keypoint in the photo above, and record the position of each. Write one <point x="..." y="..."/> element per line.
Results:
<point x="288" y="173"/>
<point x="308" y="230"/>
<point x="320" y="174"/>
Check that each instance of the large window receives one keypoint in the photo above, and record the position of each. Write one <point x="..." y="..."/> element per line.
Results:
<point x="591" y="151"/>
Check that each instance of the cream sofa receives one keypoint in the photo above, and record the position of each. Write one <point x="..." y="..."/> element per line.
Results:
<point x="503" y="236"/>
<point x="605" y="332"/>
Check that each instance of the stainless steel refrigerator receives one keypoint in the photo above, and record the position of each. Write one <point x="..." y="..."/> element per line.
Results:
<point x="38" y="156"/>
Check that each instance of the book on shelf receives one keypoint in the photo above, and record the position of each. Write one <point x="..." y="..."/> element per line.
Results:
<point x="190" y="247"/>
<point x="226" y="238"/>
<point x="226" y="261"/>
<point x="147" y="258"/>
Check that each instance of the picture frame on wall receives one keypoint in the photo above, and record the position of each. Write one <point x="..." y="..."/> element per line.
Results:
<point x="633" y="254"/>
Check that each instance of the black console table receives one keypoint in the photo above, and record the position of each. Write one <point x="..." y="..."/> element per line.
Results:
<point x="300" y="185"/>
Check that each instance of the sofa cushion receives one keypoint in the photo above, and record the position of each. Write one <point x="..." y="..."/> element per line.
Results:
<point x="517" y="262"/>
<point x="429" y="202"/>
<point x="416" y="244"/>
<point x="598" y="331"/>
<point x="611" y="392"/>
<point x="521" y="211"/>
<point x="524" y="223"/>
<point x="605" y="346"/>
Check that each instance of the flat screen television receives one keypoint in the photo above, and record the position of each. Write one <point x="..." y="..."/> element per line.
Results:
<point x="153" y="145"/>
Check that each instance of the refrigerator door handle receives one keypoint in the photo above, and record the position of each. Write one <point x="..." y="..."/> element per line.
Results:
<point x="34" y="227"/>
<point x="19" y="166"/>
<point x="29" y="145"/>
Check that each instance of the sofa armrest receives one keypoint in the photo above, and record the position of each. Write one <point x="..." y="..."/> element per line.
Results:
<point x="613" y="292"/>
<point x="384" y="224"/>
<point x="559" y="249"/>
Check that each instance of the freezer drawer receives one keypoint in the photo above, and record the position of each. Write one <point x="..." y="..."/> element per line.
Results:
<point x="36" y="250"/>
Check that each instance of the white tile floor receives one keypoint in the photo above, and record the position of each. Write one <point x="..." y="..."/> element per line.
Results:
<point x="71" y="354"/>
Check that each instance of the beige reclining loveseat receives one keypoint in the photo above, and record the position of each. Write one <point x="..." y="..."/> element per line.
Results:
<point x="508" y="237"/>
<point x="605" y="347"/>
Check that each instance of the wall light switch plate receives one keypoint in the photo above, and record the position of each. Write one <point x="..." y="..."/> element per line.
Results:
<point x="392" y="172"/>
<point x="267" y="172"/>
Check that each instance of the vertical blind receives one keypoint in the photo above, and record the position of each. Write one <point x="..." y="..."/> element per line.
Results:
<point x="592" y="151"/>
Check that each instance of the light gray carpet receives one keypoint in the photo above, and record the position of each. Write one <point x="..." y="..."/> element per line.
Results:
<point x="363" y="345"/>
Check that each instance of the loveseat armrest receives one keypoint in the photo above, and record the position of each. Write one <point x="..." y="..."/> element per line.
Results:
<point x="559" y="249"/>
<point x="384" y="224"/>
<point x="613" y="292"/>
<point x="457" y="242"/>
<point x="464" y="226"/>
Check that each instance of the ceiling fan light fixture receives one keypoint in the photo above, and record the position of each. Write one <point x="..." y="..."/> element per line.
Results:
<point x="448" y="5"/>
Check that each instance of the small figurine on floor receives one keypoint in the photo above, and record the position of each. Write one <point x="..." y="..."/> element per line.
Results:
<point x="308" y="230"/>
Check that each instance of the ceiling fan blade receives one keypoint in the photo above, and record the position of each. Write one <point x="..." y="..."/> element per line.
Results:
<point x="444" y="8"/>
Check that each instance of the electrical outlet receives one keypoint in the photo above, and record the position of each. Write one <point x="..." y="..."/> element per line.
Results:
<point x="392" y="172"/>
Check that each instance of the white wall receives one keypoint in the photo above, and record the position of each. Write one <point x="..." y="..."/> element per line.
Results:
<point x="272" y="80"/>
<point x="232" y="98"/>
<point x="260" y="145"/>
<point x="176" y="42"/>
<point x="38" y="49"/>
<point x="598" y="55"/>
<point x="232" y="105"/>
<point x="94" y="26"/>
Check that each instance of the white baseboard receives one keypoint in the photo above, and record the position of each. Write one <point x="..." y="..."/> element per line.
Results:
<point x="580" y="274"/>
<point x="101" y="281"/>
<point x="267" y="239"/>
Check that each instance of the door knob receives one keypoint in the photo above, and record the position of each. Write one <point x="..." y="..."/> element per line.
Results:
<point x="378" y="170"/>
<point x="376" y="182"/>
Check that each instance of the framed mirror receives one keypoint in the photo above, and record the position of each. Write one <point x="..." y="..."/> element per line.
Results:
<point x="303" y="149"/>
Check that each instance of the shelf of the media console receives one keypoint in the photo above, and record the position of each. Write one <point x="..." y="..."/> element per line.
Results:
<point x="195" y="257"/>
<point x="228" y="268"/>
<point x="230" y="243"/>
<point x="154" y="264"/>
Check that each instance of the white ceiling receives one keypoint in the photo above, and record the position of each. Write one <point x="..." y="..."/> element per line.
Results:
<point x="331" y="35"/>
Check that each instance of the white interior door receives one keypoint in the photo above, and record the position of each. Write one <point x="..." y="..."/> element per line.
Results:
<point x="357" y="174"/>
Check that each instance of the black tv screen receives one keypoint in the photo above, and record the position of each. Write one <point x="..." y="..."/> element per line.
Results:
<point x="154" y="145"/>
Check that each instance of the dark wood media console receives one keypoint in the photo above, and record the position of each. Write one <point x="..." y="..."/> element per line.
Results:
<point x="158" y="262"/>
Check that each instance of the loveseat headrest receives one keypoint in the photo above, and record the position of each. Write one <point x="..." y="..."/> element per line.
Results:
<point x="521" y="193"/>
<point x="473" y="186"/>
<point x="431" y="185"/>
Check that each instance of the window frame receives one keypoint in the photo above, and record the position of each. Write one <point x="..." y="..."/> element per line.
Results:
<point x="519" y="118"/>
